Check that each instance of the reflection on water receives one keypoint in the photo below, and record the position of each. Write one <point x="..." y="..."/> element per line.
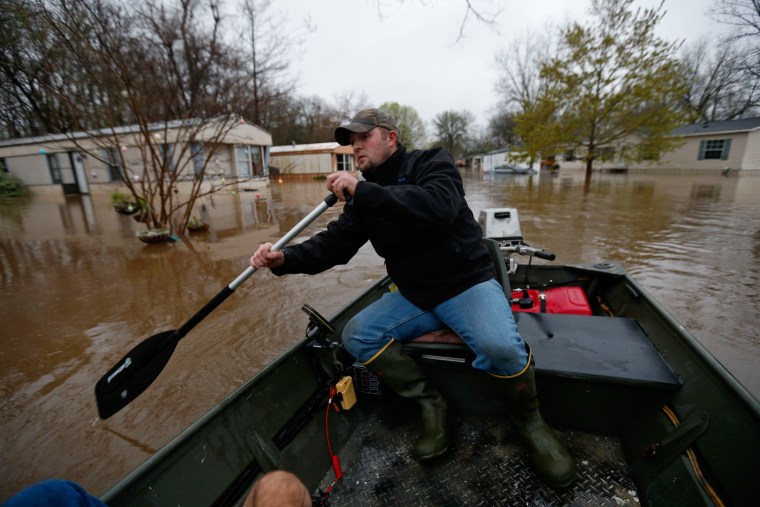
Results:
<point x="78" y="291"/>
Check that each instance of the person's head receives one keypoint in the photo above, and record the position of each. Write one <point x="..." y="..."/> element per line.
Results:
<point x="278" y="489"/>
<point x="373" y="135"/>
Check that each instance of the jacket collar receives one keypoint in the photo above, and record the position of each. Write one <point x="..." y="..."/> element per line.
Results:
<point x="387" y="172"/>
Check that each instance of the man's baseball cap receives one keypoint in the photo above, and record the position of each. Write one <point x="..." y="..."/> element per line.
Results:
<point x="364" y="121"/>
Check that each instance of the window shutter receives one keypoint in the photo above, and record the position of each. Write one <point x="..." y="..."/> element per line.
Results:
<point x="726" y="149"/>
<point x="702" y="147"/>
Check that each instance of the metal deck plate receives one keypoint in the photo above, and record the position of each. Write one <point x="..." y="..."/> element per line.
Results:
<point x="486" y="465"/>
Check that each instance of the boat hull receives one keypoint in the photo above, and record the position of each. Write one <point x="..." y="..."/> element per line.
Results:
<point x="277" y="419"/>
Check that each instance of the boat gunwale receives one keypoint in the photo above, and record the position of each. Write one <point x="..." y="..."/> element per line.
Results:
<point x="620" y="278"/>
<point x="720" y="371"/>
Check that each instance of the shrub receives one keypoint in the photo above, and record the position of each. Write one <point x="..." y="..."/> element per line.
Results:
<point x="11" y="186"/>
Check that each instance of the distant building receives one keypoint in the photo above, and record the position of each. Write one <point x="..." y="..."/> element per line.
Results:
<point x="717" y="145"/>
<point x="314" y="159"/>
<point x="77" y="162"/>
<point x="732" y="144"/>
<point x="487" y="161"/>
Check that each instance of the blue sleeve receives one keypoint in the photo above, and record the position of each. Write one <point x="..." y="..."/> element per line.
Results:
<point x="54" y="493"/>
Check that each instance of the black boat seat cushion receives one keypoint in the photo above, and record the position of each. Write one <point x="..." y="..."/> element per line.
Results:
<point x="612" y="349"/>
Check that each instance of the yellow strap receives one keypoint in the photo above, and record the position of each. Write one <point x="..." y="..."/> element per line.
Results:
<point x="527" y="365"/>
<point x="378" y="352"/>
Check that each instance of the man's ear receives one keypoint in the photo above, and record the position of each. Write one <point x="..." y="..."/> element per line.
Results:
<point x="393" y="137"/>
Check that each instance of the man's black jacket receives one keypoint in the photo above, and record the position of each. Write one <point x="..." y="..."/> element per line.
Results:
<point x="412" y="209"/>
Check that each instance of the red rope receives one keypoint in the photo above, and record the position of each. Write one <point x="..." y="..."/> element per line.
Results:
<point x="333" y="458"/>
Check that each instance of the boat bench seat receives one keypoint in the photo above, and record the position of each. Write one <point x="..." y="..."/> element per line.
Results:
<point x="592" y="348"/>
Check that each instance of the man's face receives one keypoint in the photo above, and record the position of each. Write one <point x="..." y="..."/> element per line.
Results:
<point x="372" y="148"/>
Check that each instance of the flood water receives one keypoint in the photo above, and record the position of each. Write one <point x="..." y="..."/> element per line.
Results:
<point x="79" y="291"/>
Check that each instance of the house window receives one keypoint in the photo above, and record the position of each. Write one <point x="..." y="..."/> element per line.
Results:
<point x="3" y="165"/>
<point x="243" y="156"/>
<point x="344" y="161"/>
<point x="606" y="153"/>
<point x="648" y="152"/>
<point x="113" y="161"/>
<point x="167" y="151"/>
<point x="198" y="156"/>
<point x="714" y="149"/>
<point x="569" y="155"/>
<point x="55" y="168"/>
<point x="256" y="165"/>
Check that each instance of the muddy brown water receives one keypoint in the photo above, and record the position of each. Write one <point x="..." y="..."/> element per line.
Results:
<point x="79" y="290"/>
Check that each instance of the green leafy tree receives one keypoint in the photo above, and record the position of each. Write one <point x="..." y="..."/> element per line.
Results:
<point x="411" y="128"/>
<point x="613" y="83"/>
<point x="451" y="131"/>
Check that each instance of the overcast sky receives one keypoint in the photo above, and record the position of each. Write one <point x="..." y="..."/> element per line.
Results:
<point x="407" y="51"/>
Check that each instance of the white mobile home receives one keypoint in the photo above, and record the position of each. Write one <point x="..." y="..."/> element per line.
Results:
<point x="315" y="159"/>
<point x="81" y="161"/>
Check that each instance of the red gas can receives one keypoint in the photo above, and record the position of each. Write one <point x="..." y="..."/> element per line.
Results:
<point x="569" y="300"/>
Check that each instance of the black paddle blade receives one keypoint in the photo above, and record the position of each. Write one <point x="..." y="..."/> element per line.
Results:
<point x="134" y="373"/>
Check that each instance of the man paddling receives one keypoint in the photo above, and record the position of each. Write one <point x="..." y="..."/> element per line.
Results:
<point x="411" y="207"/>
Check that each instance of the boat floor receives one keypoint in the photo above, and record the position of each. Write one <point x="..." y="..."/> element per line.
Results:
<point x="485" y="465"/>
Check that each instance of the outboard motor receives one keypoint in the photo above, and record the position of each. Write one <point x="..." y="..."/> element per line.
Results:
<point x="503" y="226"/>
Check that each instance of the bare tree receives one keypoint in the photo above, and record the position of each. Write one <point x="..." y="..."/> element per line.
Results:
<point x="267" y="58"/>
<point x="501" y="130"/>
<point x="520" y="82"/>
<point x="720" y="84"/>
<point x="156" y="66"/>
<point x="487" y="18"/>
<point x="451" y="131"/>
<point x="474" y="9"/>
<point x="743" y="15"/>
<point x="520" y="85"/>
<point x="744" y="18"/>
<point x="317" y="119"/>
<point x="349" y="102"/>
<point x="32" y="63"/>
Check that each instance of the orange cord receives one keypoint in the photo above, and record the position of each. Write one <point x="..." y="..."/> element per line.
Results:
<point x="694" y="463"/>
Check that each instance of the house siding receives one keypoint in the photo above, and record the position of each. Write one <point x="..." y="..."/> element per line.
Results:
<point x="32" y="169"/>
<point x="309" y="159"/>
<point x="744" y="154"/>
<point x="27" y="158"/>
<point x="751" y="158"/>
<point x="686" y="156"/>
<point x="296" y="163"/>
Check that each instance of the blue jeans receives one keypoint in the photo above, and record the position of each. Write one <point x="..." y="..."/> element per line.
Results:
<point x="481" y="316"/>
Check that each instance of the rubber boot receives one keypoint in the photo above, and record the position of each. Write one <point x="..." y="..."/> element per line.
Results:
<point x="549" y="458"/>
<point x="403" y="375"/>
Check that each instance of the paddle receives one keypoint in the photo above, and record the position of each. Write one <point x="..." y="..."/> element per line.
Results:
<point x="140" y="367"/>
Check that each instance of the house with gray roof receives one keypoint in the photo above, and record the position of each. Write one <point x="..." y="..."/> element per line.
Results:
<point x="731" y="145"/>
